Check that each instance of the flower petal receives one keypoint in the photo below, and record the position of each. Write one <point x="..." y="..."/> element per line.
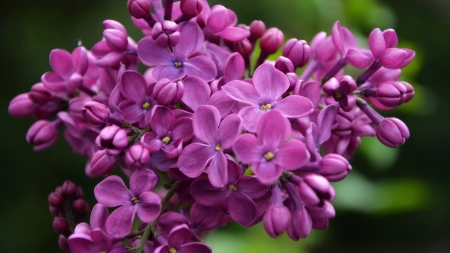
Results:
<point x="112" y="192"/>
<point x="248" y="149"/>
<point x="149" y="206"/>
<point x="206" y="194"/>
<point x="205" y="122"/>
<point x="242" y="91"/>
<point x="241" y="208"/>
<point x="120" y="221"/>
<point x="269" y="82"/>
<point x="151" y="54"/>
<point x="200" y="66"/>
<point x="196" y="92"/>
<point x="229" y="129"/>
<point x="273" y="129"/>
<point x="162" y="120"/>
<point x="294" y="106"/>
<point x="217" y="170"/>
<point x="142" y="180"/>
<point x="191" y="40"/>
<point x="194" y="158"/>
<point x="292" y="155"/>
<point x="267" y="172"/>
<point x="61" y="63"/>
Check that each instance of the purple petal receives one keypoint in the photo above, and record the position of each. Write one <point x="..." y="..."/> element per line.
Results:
<point x="61" y="63"/>
<point x="242" y="91"/>
<point x="110" y="60"/>
<point x="358" y="58"/>
<point x="292" y="155"/>
<point x="267" y="172"/>
<point x="182" y="129"/>
<point x="200" y="66"/>
<point x="326" y="119"/>
<point x="120" y="221"/>
<point x="149" y="140"/>
<point x="193" y="159"/>
<point x="294" y="106"/>
<point x="82" y="245"/>
<point x="206" y="194"/>
<point x="80" y="60"/>
<point x="273" y="129"/>
<point x="162" y="120"/>
<point x="217" y="170"/>
<point x="248" y="149"/>
<point x="151" y="54"/>
<point x="53" y="82"/>
<point x="168" y="71"/>
<point x="133" y="86"/>
<point x="195" y="247"/>
<point x="393" y="58"/>
<point x="205" y="122"/>
<point x="112" y="192"/>
<point x="191" y="40"/>
<point x="142" y="180"/>
<point x="251" y="115"/>
<point x="251" y="187"/>
<point x="205" y="217"/>
<point x="234" y="67"/>
<point x="269" y="82"/>
<point x="229" y="129"/>
<point x="222" y="102"/>
<point x="169" y="220"/>
<point x="376" y="42"/>
<point x="235" y="171"/>
<point x="241" y="208"/>
<point x="131" y="111"/>
<point x="149" y="206"/>
<point x="99" y="215"/>
<point x="234" y="33"/>
<point x="218" y="19"/>
<point x="196" y="92"/>
<point x="179" y="235"/>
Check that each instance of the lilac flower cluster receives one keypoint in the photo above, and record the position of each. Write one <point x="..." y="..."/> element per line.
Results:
<point x="232" y="135"/>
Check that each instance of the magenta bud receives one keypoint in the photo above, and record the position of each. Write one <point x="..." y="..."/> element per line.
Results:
<point x="95" y="113"/>
<point x="69" y="189"/>
<point x="39" y="94"/>
<point x="137" y="156"/>
<point x="293" y="79"/>
<point x="62" y="243"/>
<point x="392" y="132"/>
<point x="166" y="33"/>
<point x="112" y="138"/>
<point x="243" y="47"/>
<point x="101" y="164"/>
<point x="167" y="92"/>
<point x="138" y="8"/>
<point x="21" y="106"/>
<point x="271" y="40"/>
<point x="284" y="65"/>
<point x="324" y="210"/>
<point x="191" y="8"/>
<point x="80" y="193"/>
<point x="54" y="211"/>
<point x="276" y="220"/>
<point x="298" y="51"/>
<point x="61" y="226"/>
<point x="396" y="58"/>
<point x="116" y="39"/>
<point x="55" y="200"/>
<point x="314" y="188"/>
<point x="394" y="93"/>
<point x="42" y="135"/>
<point x="334" y="167"/>
<point x="257" y="29"/>
<point x="301" y="224"/>
<point x="80" y="207"/>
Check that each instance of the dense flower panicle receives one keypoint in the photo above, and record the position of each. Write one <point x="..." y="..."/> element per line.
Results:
<point x="231" y="140"/>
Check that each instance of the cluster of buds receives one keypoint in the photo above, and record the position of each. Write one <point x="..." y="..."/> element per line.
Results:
<point x="230" y="141"/>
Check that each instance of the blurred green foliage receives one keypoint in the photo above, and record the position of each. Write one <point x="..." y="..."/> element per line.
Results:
<point x="393" y="201"/>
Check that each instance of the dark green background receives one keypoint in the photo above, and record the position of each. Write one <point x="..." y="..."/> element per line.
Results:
<point x="418" y="176"/>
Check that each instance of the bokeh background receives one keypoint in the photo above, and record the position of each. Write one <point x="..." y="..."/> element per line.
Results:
<point x="393" y="201"/>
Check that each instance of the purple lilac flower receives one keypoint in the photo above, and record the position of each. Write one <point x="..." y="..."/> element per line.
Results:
<point x="178" y="64"/>
<point x="269" y="153"/>
<point x="139" y="199"/>
<point x="196" y="156"/>
<point x="179" y="240"/>
<point x="264" y="96"/>
<point x="341" y="92"/>
<point x="87" y="240"/>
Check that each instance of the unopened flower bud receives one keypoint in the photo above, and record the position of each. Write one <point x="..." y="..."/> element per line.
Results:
<point x="137" y="156"/>
<point x="166" y="33"/>
<point x="80" y="207"/>
<point x="116" y="39"/>
<point x="138" y="8"/>
<point x="393" y="93"/>
<point x="39" y="94"/>
<point x="284" y="65"/>
<point x="62" y="243"/>
<point x="271" y="40"/>
<point x="392" y="132"/>
<point x="21" y="106"/>
<point x="112" y="138"/>
<point x="42" y="135"/>
<point x="243" y="47"/>
<point x="301" y="224"/>
<point x="167" y="92"/>
<point x="293" y="79"/>
<point x="61" y="226"/>
<point x="334" y="167"/>
<point x="55" y="200"/>
<point x="314" y="188"/>
<point x="298" y="51"/>
<point x="101" y="164"/>
<point x="69" y="189"/>
<point x="191" y="8"/>
<point x="277" y="217"/>
<point x="257" y="29"/>
<point x="95" y="113"/>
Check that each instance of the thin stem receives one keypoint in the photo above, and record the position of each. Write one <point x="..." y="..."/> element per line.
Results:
<point x="84" y="88"/>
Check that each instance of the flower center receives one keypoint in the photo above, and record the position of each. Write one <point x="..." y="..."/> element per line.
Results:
<point x="269" y="156"/>
<point x="134" y="200"/>
<point x="218" y="147"/>
<point x="337" y="95"/>
<point x="233" y="187"/>
<point x="166" y="140"/>
<point x="266" y="107"/>
<point x="146" y="105"/>
<point x="172" y="250"/>
<point x="178" y="64"/>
